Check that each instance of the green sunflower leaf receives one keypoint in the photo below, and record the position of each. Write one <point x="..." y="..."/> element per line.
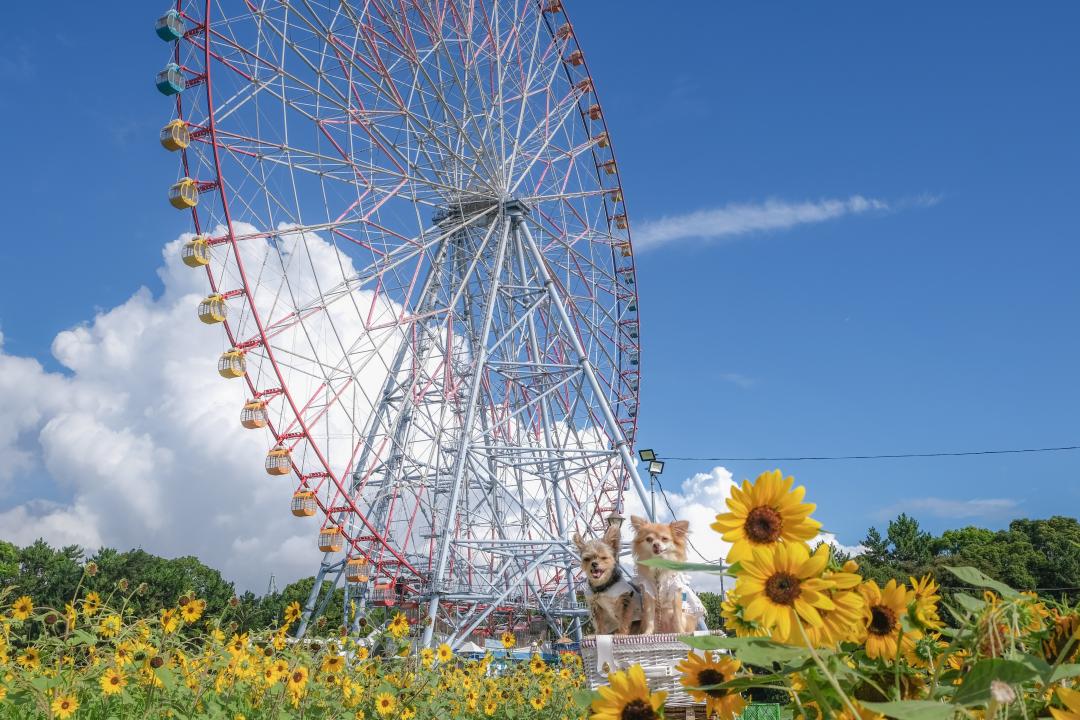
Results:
<point x="1062" y="672"/>
<point x="979" y="579"/>
<point x="975" y="690"/>
<point x="583" y="697"/>
<point x="688" y="566"/>
<point x="914" y="709"/>
<point x="752" y="651"/>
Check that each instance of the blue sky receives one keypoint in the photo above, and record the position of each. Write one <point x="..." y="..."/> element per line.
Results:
<point x="936" y="312"/>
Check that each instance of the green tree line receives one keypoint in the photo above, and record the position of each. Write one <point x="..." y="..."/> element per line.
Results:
<point x="51" y="577"/>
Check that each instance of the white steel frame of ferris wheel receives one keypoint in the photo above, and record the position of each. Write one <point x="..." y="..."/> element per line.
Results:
<point x="534" y="553"/>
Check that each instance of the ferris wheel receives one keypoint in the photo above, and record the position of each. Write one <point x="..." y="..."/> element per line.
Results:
<point x="413" y="230"/>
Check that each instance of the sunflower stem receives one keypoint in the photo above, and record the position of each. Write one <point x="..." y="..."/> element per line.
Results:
<point x="828" y="675"/>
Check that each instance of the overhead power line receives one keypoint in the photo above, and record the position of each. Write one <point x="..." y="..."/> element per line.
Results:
<point x="1015" y="451"/>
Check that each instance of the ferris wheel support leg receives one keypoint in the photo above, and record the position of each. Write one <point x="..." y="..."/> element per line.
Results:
<point x="614" y="428"/>
<point x="545" y="420"/>
<point x="464" y="443"/>
<point x="313" y="597"/>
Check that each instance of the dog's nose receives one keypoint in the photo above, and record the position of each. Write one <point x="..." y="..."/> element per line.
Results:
<point x="595" y="565"/>
<point x="656" y="547"/>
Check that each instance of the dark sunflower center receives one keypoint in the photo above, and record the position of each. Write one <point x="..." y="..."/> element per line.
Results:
<point x="637" y="710"/>
<point x="115" y="679"/>
<point x="882" y="620"/>
<point x="709" y="676"/>
<point x="763" y="525"/>
<point x="297" y="676"/>
<point x="782" y="588"/>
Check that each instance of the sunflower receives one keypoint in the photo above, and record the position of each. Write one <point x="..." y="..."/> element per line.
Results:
<point x="292" y="612"/>
<point x="237" y="644"/>
<point x="192" y="610"/>
<point x="627" y="697"/>
<point x="385" y="703"/>
<point x="169" y="621"/>
<point x="508" y="640"/>
<point x="444" y="653"/>
<point x="110" y="626"/>
<point x="924" y="609"/>
<point x="298" y="680"/>
<point x="782" y="586"/>
<point x="537" y="665"/>
<point x="538" y="702"/>
<point x="1071" y="699"/>
<point x="763" y="514"/>
<point x="1062" y="630"/>
<point x="91" y="604"/>
<point x="842" y="623"/>
<point x="881" y="620"/>
<point x="399" y="626"/>
<point x="112" y="682"/>
<point x="70" y="616"/>
<point x="732" y="613"/>
<point x="362" y="652"/>
<point x="408" y="714"/>
<point x="701" y="671"/>
<point x="22" y="608"/>
<point x="64" y="706"/>
<point x="490" y="707"/>
<point x="333" y="664"/>
<point x="29" y="659"/>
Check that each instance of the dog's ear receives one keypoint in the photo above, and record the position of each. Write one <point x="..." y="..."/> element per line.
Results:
<point x="680" y="528"/>
<point x="578" y="542"/>
<point x="613" y="538"/>
<point x="638" y="522"/>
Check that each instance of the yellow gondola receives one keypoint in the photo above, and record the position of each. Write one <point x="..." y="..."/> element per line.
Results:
<point x="330" y="539"/>
<point x="253" y="416"/>
<point x="175" y="136"/>
<point x="609" y="167"/>
<point x="601" y="140"/>
<point x="184" y="195"/>
<point x="231" y="364"/>
<point x="620" y="221"/>
<point x="575" y="58"/>
<point x="278" y="461"/>
<point x="624" y="248"/>
<point x="213" y="309"/>
<point x="356" y="570"/>
<point x="303" y="503"/>
<point x="595" y="113"/>
<point x="196" y="252"/>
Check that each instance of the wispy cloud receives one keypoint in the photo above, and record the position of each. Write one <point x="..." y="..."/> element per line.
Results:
<point x="953" y="509"/>
<point x="743" y="381"/>
<point x="735" y="219"/>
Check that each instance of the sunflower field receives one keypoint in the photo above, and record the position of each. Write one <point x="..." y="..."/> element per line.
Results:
<point x="799" y="622"/>
<point x="91" y="659"/>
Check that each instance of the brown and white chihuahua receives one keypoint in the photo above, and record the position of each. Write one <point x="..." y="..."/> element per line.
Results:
<point x="661" y="589"/>
<point x="614" y="604"/>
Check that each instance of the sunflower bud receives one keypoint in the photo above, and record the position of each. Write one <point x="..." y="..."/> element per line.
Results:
<point x="234" y="601"/>
<point x="123" y="584"/>
<point x="156" y="662"/>
<point x="184" y="600"/>
<point x="51" y="619"/>
<point x="91" y="568"/>
<point x="142" y="589"/>
<point x="320" y="623"/>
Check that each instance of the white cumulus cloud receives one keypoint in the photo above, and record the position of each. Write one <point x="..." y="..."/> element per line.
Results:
<point x="137" y="443"/>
